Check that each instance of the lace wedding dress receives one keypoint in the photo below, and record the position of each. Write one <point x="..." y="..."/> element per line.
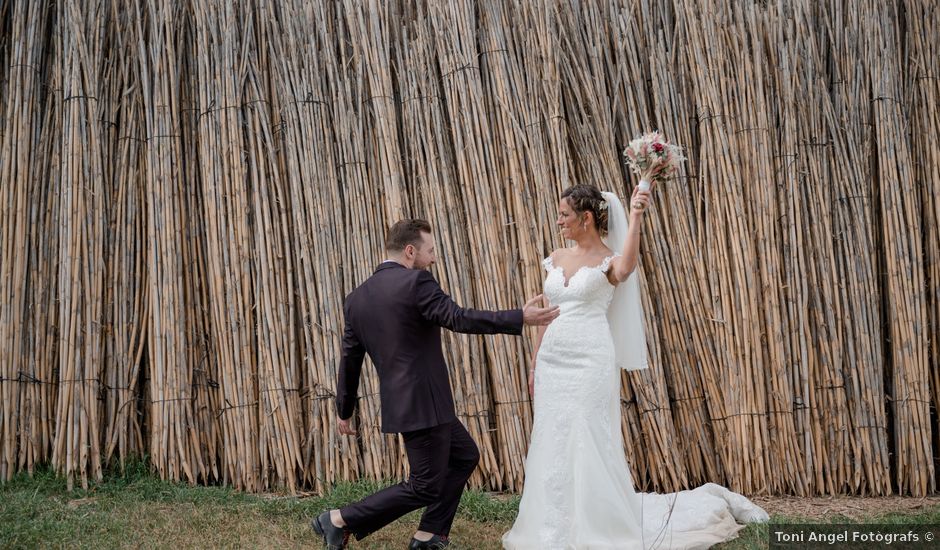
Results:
<point x="578" y="490"/>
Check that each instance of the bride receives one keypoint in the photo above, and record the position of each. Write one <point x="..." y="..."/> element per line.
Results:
<point x="578" y="490"/>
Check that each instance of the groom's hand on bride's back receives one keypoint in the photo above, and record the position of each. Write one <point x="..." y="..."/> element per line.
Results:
<point x="534" y="314"/>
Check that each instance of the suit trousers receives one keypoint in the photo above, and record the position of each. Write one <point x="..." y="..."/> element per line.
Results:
<point x="442" y="458"/>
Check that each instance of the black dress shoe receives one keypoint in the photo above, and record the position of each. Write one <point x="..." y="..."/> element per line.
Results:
<point x="435" y="543"/>
<point x="334" y="537"/>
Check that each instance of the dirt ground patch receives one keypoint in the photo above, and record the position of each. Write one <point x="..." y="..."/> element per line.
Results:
<point x="856" y="508"/>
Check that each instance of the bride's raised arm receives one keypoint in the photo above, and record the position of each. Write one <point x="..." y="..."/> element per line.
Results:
<point x="622" y="266"/>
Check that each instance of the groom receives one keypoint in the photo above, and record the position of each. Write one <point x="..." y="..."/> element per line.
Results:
<point x="396" y="317"/>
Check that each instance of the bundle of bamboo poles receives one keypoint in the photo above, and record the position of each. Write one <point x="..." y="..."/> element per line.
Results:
<point x="24" y="431"/>
<point x="220" y="71"/>
<point x="190" y="189"/>
<point x="901" y="209"/>
<point x="82" y="223"/>
<point x="126" y="308"/>
<point x="172" y="388"/>
<point x="925" y="118"/>
<point x="311" y="169"/>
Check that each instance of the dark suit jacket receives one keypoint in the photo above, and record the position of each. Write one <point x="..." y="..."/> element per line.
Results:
<point x="396" y="317"/>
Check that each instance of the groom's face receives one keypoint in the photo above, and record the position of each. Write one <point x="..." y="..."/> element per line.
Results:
<point x="425" y="253"/>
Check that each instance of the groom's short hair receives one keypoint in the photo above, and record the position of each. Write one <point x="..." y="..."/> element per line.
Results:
<point x="406" y="232"/>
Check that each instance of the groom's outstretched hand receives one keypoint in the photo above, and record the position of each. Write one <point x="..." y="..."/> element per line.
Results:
<point x="346" y="426"/>
<point x="534" y="314"/>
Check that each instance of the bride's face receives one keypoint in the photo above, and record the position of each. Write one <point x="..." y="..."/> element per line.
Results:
<point x="568" y="220"/>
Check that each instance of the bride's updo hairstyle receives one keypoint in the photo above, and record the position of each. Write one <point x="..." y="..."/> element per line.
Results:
<point x="587" y="198"/>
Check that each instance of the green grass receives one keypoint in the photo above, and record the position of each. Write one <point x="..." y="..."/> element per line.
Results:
<point x="134" y="509"/>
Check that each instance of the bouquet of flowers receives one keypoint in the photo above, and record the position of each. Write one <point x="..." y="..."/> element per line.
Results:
<point x="652" y="158"/>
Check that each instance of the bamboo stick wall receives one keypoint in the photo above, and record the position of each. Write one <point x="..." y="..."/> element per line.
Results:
<point x="190" y="188"/>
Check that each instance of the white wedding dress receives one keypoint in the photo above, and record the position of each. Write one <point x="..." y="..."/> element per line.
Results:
<point x="578" y="490"/>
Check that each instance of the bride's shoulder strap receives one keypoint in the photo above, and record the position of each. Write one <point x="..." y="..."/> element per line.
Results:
<point x="605" y="265"/>
<point x="549" y="262"/>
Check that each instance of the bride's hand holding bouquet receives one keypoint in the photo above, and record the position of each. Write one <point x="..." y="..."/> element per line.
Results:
<point x="654" y="160"/>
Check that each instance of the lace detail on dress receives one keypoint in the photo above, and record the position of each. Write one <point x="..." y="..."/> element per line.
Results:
<point x="602" y="267"/>
<point x="548" y="264"/>
<point x="605" y="265"/>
